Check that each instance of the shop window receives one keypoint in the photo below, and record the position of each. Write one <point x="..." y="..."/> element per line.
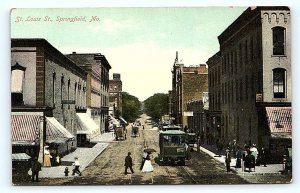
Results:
<point x="53" y="88"/>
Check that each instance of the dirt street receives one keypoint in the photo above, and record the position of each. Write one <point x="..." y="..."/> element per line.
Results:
<point x="108" y="167"/>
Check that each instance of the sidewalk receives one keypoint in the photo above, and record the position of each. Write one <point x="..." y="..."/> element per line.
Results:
<point x="271" y="169"/>
<point x="85" y="157"/>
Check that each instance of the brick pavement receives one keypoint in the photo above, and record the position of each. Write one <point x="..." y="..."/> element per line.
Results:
<point x="85" y="157"/>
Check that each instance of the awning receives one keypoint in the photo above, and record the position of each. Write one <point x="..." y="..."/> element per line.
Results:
<point x="112" y="120"/>
<point x="55" y="132"/>
<point x="25" y="129"/>
<point x="280" y="121"/>
<point x="20" y="157"/>
<point x="87" y="125"/>
<point x="122" y="119"/>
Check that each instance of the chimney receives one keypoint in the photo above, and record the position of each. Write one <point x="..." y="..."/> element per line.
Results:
<point x="73" y="52"/>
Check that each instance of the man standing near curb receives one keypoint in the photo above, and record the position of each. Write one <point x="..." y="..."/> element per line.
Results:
<point x="227" y="160"/>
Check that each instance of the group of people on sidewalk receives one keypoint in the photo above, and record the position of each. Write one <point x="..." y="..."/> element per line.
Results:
<point x="250" y="156"/>
<point x="146" y="165"/>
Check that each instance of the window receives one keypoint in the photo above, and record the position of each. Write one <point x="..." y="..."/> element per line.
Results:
<point x="279" y="82"/>
<point x="17" y="80"/>
<point x="53" y="88"/>
<point x="62" y="83"/>
<point x="69" y="82"/>
<point x="278" y="41"/>
<point x="75" y="93"/>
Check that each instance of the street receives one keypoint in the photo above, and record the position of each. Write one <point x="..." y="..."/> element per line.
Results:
<point x="108" y="167"/>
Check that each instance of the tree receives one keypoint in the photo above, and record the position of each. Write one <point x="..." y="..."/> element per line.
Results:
<point x="130" y="107"/>
<point x="157" y="105"/>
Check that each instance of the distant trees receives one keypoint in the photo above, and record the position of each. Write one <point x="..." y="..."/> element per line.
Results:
<point x="157" y="105"/>
<point x="131" y="107"/>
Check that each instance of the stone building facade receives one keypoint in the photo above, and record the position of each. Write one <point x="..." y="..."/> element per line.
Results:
<point x="97" y="68"/>
<point x="250" y="77"/>
<point x="45" y="83"/>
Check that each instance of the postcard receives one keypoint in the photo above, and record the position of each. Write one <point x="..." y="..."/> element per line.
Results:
<point x="159" y="96"/>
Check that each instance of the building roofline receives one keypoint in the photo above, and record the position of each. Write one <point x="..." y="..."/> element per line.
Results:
<point x="36" y="42"/>
<point x="249" y="13"/>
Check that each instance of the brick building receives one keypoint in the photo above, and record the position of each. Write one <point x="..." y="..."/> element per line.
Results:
<point x="97" y="67"/>
<point x="115" y="94"/>
<point x="250" y="79"/>
<point x="189" y="83"/>
<point x="48" y="91"/>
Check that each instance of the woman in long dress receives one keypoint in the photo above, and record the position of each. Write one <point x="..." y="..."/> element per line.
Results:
<point x="148" y="168"/>
<point x="47" y="156"/>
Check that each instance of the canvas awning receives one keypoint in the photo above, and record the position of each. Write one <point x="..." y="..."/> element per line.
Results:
<point x="113" y="120"/>
<point x="122" y="119"/>
<point x="55" y="132"/>
<point x="280" y="121"/>
<point x="25" y="129"/>
<point x="87" y="125"/>
<point x="20" y="157"/>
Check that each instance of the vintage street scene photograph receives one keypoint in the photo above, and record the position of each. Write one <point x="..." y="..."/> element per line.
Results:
<point x="151" y="96"/>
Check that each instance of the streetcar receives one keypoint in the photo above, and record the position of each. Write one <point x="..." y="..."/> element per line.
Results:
<point x="171" y="127"/>
<point x="172" y="144"/>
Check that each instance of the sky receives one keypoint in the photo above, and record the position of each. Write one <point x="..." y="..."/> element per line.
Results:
<point x="139" y="43"/>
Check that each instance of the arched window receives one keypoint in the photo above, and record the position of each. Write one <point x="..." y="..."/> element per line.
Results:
<point x="17" y="80"/>
<point x="278" y="40"/>
<point x="279" y="87"/>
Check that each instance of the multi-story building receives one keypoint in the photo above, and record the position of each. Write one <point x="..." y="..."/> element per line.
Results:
<point x="47" y="91"/>
<point x="115" y="94"/>
<point x="97" y="68"/>
<point x="250" y="79"/>
<point x="189" y="83"/>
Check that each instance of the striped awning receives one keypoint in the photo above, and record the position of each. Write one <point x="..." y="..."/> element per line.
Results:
<point x="55" y="132"/>
<point x="279" y="119"/>
<point x="25" y="129"/>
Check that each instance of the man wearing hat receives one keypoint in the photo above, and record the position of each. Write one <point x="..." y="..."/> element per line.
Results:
<point x="36" y="167"/>
<point x="227" y="160"/>
<point x="128" y="163"/>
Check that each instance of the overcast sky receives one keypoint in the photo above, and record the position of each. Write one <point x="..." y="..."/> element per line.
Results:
<point x="139" y="43"/>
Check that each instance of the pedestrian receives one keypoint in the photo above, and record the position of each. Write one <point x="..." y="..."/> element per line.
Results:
<point x="148" y="168"/>
<point x="36" y="167"/>
<point x="263" y="157"/>
<point x="143" y="127"/>
<point x="144" y="156"/>
<point x="234" y="148"/>
<point x="128" y="163"/>
<point x="76" y="165"/>
<point x="198" y="144"/>
<point x="47" y="157"/>
<point x="227" y="160"/>
<point x="239" y="156"/>
<point x="254" y="152"/>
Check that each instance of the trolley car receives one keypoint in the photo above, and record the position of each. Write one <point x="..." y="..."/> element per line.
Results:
<point x="172" y="146"/>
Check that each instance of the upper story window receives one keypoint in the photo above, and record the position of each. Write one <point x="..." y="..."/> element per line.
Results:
<point x="53" y="88"/>
<point x="279" y="87"/>
<point x="278" y="40"/>
<point x="17" y="80"/>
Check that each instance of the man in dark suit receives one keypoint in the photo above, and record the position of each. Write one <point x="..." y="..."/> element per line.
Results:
<point x="36" y="167"/>
<point x="227" y="160"/>
<point x="128" y="163"/>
